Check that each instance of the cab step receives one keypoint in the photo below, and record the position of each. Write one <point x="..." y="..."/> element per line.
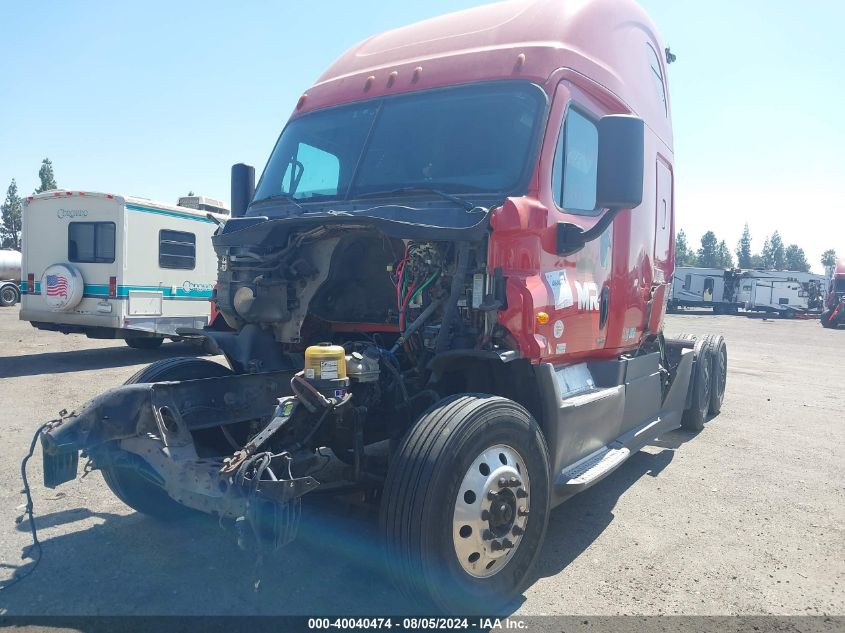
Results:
<point x="593" y="468"/>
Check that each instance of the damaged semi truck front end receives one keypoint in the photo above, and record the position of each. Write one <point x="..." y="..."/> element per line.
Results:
<point x="445" y="299"/>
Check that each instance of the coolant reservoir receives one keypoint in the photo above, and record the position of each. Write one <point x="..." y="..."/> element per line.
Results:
<point x="325" y="361"/>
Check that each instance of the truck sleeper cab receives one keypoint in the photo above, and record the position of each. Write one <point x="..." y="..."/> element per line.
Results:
<point x="452" y="274"/>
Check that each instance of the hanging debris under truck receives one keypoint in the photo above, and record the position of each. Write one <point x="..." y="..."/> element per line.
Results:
<point x="452" y="274"/>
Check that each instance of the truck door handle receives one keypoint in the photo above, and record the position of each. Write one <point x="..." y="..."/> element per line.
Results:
<point x="604" y="307"/>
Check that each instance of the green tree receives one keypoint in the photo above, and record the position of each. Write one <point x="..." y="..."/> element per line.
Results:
<point x="774" y="254"/>
<point x="795" y="259"/>
<point x="191" y="194"/>
<point x="743" y="249"/>
<point x="10" y="230"/>
<point x="684" y="255"/>
<point x="45" y="174"/>
<point x="723" y="256"/>
<point x="829" y="258"/>
<point x="708" y="254"/>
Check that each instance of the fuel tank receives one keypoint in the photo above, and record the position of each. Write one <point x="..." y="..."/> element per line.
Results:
<point x="10" y="265"/>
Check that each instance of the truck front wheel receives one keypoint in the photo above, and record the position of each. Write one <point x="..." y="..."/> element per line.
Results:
<point x="127" y="475"/>
<point x="466" y="503"/>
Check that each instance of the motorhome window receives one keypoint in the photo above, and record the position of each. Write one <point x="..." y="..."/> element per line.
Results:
<point x="840" y="285"/>
<point x="464" y="139"/>
<point x="657" y="77"/>
<point x="90" y="242"/>
<point x="177" y="249"/>
<point x="575" y="166"/>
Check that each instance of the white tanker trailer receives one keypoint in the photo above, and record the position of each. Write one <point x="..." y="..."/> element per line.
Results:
<point x="10" y="277"/>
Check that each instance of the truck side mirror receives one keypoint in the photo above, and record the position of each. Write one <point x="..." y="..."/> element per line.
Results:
<point x="243" y="188"/>
<point x="619" y="179"/>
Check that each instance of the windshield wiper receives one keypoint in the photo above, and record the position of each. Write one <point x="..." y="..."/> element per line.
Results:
<point x="469" y="206"/>
<point x="283" y="196"/>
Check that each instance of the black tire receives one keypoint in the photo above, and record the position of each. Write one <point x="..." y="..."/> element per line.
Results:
<point x="145" y="342"/>
<point x="8" y="296"/>
<point x="129" y="476"/>
<point x="420" y="496"/>
<point x="694" y="417"/>
<point x="718" y="352"/>
<point x="825" y="319"/>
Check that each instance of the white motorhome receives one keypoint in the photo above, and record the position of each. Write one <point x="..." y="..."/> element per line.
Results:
<point x="112" y="266"/>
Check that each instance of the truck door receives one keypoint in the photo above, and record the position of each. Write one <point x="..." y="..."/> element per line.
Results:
<point x="577" y="287"/>
<point x="663" y="218"/>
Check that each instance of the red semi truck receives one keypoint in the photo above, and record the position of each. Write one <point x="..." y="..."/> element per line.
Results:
<point x="834" y="313"/>
<point x="452" y="274"/>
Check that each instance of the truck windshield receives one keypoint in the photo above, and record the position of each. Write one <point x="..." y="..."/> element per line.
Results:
<point x="467" y="139"/>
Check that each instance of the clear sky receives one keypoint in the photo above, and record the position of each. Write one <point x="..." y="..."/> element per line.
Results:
<point x="155" y="98"/>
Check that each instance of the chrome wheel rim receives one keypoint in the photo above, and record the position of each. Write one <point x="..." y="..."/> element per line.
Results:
<point x="491" y="511"/>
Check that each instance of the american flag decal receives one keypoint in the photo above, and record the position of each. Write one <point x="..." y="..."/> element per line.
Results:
<point x="56" y="286"/>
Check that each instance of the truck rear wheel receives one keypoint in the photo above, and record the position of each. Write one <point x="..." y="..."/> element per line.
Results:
<point x="719" y="371"/>
<point x="129" y="476"/>
<point x="145" y="342"/>
<point x="702" y="384"/>
<point x="466" y="503"/>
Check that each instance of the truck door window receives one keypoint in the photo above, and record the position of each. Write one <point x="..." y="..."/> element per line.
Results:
<point x="657" y="76"/>
<point x="177" y="249"/>
<point x="687" y="282"/>
<point x="90" y="242"/>
<point x="575" y="165"/>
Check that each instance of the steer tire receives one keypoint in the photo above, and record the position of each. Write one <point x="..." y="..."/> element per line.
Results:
<point x="694" y="417"/>
<point x="145" y="342"/>
<point x="448" y="447"/>
<point x="129" y="476"/>
<point x="718" y="370"/>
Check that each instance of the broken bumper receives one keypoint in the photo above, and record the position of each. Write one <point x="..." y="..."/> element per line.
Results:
<point x="155" y="421"/>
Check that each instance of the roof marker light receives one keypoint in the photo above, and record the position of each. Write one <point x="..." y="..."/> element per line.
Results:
<point x="301" y="101"/>
<point x="520" y="62"/>
<point x="417" y="72"/>
<point x="391" y="78"/>
<point x="369" y="83"/>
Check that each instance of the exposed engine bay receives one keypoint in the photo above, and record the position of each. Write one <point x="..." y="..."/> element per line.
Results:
<point x="342" y="337"/>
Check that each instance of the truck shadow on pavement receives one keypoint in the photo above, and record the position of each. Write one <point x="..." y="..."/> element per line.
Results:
<point x="89" y="359"/>
<point x="132" y="565"/>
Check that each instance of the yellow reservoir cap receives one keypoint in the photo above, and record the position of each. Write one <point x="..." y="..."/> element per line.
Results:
<point x="325" y="361"/>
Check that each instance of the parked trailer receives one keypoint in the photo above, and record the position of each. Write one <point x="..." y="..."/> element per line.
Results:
<point x="112" y="266"/>
<point x="834" y="312"/>
<point x="10" y="278"/>
<point x="715" y="288"/>
<point x="452" y="274"/>
<point x="786" y="293"/>
<point x="726" y="291"/>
